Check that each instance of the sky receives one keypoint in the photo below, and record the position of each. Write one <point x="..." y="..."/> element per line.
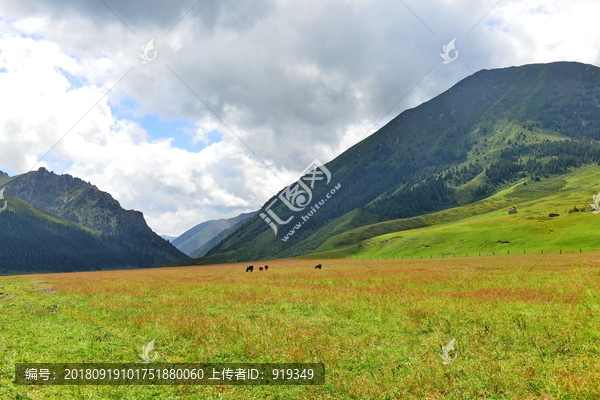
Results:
<point x="194" y="110"/>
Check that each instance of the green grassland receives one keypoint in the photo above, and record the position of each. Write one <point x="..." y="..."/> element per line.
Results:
<point x="21" y="206"/>
<point x="526" y="327"/>
<point x="485" y="227"/>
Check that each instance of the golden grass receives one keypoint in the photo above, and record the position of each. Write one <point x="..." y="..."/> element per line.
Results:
<point x="526" y="325"/>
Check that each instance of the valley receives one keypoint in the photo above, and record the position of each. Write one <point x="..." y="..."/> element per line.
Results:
<point x="299" y="200"/>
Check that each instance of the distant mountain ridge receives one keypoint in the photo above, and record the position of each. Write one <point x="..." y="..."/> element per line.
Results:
<point x="201" y="251"/>
<point x="195" y="239"/>
<point x="80" y="202"/>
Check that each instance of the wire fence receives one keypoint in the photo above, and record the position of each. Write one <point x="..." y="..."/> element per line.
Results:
<point x="456" y="255"/>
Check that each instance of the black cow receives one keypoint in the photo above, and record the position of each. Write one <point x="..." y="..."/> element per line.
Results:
<point x="260" y="268"/>
<point x="250" y="268"/>
<point x="266" y="267"/>
<point x="318" y="266"/>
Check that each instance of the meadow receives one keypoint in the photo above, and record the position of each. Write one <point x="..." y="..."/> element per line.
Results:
<point x="485" y="227"/>
<point x="526" y="326"/>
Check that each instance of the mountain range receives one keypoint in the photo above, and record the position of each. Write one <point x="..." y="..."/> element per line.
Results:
<point x="439" y="174"/>
<point x="57" y="223"/>
<point x="198" y="240"/>
<point x="488" y="132"/>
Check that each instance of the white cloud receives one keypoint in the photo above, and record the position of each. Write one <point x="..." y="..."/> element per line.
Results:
<point x="293" y="80"/>
<point x="541" y="31"/>
<point x="174" y="187"/>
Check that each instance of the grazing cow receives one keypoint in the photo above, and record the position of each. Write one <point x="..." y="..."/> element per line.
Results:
<point x="553" y="215"/>
<point x="513" y="210"/>
<point x="266" y="267"/>
<point x="250" y="268"/>
<point x="260" y="268"/>
<point x="318" y="266"/>
<point x="575" y="209"/>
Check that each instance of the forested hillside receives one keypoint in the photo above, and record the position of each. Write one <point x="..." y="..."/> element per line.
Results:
<point x="80" y="202"/>
<point x="34" y="241"/>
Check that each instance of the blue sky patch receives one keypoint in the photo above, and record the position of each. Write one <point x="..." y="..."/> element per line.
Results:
<point x="75" y="81"/>
<point x="181" y="130"/>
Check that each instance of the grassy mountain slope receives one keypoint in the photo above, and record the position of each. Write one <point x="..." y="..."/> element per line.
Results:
<point x="81" y="202"/>
<point x="486" y="227"/>
<point x="4" y="178"/>
<point x="487" y="132"/>
<point x="194" y="239"/>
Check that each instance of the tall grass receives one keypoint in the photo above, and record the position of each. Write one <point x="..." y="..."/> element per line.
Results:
<point x="526" y="327"/>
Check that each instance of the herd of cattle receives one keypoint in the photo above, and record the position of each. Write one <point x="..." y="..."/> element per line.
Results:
<point x="250" y="268"/>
